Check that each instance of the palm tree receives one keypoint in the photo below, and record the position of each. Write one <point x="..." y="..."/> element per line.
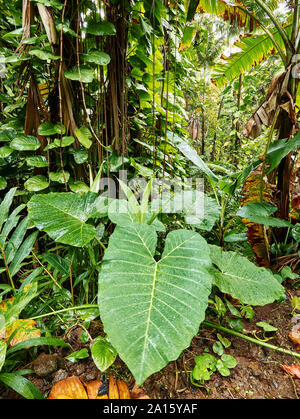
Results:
<point x="279" y="108"/>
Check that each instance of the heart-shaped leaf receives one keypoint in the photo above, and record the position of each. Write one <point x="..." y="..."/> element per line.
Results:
<point x="101" y="28"/>
<point x="83" y="134"/>
<point x="103" y="353"/>
<point x="25" y="143"/>
<point x="36" y="183"/>
<point x="63" y="216"/>
<point x="96" y="57"/>
<point x="161" y="304"/>
<point x="86" y="75"/>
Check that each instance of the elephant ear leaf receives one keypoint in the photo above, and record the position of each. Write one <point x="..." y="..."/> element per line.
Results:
<point x="243" y="280"/>
<point x="63" y="216"/>
<point x="161" y="304"/>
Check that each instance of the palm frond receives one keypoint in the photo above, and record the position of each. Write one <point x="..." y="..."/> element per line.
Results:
<point x="234" y="13"/>
<point x="254" y="50"/>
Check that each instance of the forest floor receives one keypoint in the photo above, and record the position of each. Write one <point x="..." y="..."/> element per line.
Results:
<point x="258" y="374"/>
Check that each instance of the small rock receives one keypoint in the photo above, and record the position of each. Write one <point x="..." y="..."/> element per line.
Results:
<point x="45" y="364"/>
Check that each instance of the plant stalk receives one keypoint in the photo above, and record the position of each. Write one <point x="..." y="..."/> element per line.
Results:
<point x="52" y="313"/>
<point x="250" y="339"/>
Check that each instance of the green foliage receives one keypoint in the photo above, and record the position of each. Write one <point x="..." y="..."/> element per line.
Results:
<point x="146" y="286"/>
<point x="63" y="216"/>
<point x="237" y="276"/>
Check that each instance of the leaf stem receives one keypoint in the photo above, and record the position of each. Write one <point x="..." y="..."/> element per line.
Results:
<point x="248" y="338"/>
<point x="87" y="306"/>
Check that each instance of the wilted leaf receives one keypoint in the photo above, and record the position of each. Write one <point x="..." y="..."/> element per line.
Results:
<point x="257" y="190"/>
<point x="74" y="388"/>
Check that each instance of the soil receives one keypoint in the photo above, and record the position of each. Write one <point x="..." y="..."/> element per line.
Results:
<point x="258" y="374"/>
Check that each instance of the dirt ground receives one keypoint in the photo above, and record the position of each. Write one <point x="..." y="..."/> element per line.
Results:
<point x="258" y="374"/>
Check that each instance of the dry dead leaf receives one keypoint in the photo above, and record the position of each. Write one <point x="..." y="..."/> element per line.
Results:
<point x="294" y="370"/>
<point x="70" y="388"/>
<point x="124" y="392"/>
<point x="295" y="338"/>
<point x="93" y="389"/>
<point x="74" y="388"/>
<point x="138" y="393"/>
<point x="113" y="388"/>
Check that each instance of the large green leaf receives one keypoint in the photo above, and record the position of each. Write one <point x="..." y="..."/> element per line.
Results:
<point x="63" y="216"/>
<point x="260" y="213"/>
<point x="161" y="304"/>
<point x="279" y="149"/>
<point x="242" y="279"/>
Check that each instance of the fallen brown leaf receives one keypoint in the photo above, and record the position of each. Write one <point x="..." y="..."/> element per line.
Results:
<point x="138" y="393"/>
<point x="294" y="370"/>
<point x="295" y="338"/>
<point x="70" y="388"/>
